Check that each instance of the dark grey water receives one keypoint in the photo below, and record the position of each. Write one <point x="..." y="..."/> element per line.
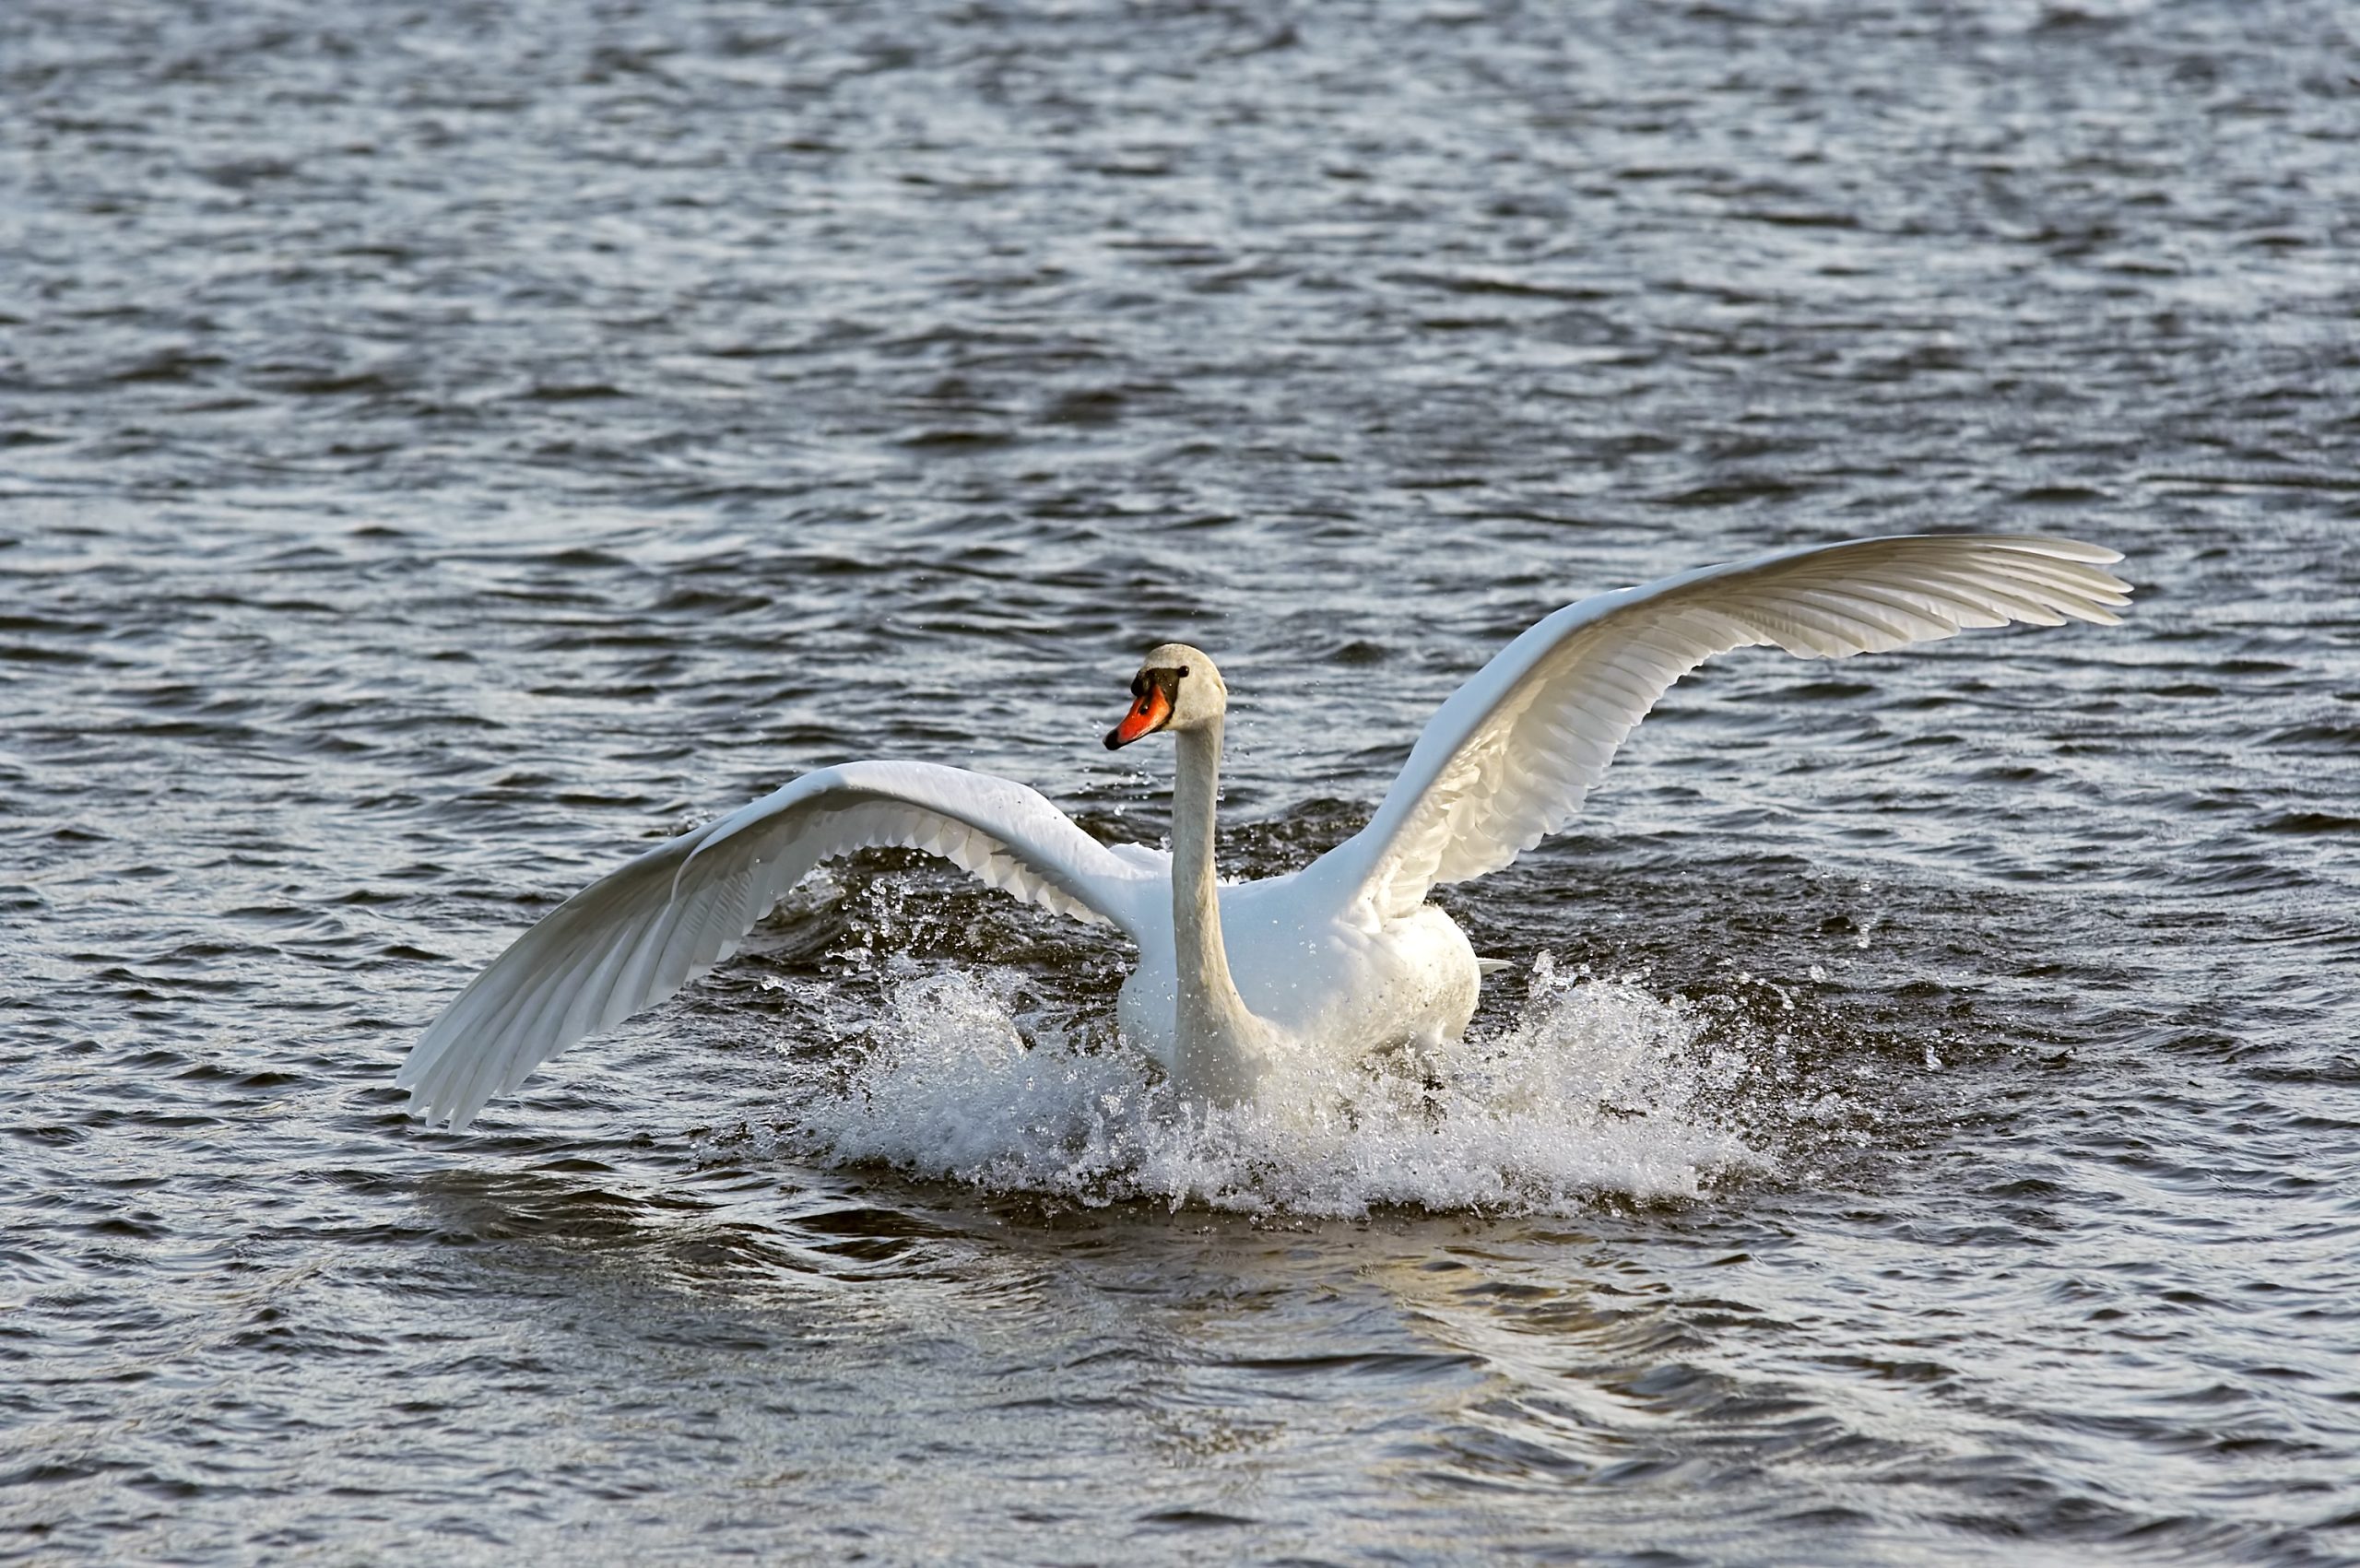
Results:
<point x="444" y="448"/>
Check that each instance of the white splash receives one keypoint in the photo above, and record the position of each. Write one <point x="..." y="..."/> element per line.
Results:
<point x="1598" y="1090"/>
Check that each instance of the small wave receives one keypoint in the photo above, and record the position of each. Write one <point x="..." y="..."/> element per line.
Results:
<point x="1597" y="1090"/>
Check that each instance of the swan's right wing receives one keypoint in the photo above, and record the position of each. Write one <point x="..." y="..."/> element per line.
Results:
<point x="1509" y="758"/>
<point x="636" y="936"/>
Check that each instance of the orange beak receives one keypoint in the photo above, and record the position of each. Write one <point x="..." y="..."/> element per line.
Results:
<point x="1150" y="714"/>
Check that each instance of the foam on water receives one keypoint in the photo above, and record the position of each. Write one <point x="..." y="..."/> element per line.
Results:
<point x="1597" y="1089"/>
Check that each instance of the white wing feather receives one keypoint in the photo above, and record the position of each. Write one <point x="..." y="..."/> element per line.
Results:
<point x="1508" y="760"/>
<point x="637" y="934"/>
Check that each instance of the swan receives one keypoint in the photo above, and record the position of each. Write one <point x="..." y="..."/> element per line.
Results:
<point x="1342" y="957"/>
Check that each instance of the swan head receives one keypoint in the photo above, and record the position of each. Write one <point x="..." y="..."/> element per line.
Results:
<point x="1176" y="689"/>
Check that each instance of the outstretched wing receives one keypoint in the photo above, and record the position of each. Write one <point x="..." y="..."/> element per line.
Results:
<point x="1508" y="760"/>
<point x="637" y="934"/>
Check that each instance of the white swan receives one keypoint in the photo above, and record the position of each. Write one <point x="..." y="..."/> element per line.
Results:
<point x="1344" y="956"/>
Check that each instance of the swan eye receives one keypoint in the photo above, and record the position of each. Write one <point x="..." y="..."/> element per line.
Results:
<point x="1184" y="670"/>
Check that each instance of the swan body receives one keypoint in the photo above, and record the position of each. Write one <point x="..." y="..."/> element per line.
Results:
<point x="1405" y="981"/>
<point x="1338" y="959"/>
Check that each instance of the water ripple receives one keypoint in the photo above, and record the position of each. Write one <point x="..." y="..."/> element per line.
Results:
<point x="444" y="453"/>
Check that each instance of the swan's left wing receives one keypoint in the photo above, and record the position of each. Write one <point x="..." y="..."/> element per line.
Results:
<point x="1509" y="758"/>
<point x="637" y="934"/>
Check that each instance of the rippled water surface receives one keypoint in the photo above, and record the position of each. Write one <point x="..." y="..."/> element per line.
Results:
<point x="444" y="449"/>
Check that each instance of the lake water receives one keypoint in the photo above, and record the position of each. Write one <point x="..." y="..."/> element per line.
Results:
<point x="446" y="449"/>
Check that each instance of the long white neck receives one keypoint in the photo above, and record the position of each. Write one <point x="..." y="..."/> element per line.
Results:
<point x="1219" y="1053"/>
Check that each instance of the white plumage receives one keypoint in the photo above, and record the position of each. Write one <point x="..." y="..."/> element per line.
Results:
<point x="1344" y="956"/>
